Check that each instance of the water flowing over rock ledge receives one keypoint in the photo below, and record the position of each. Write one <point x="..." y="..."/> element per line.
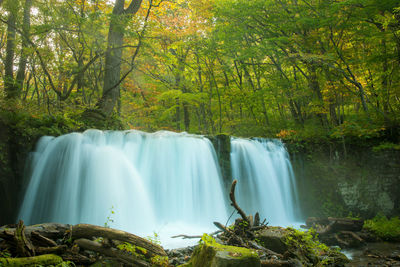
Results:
<point x="161" y="178"/>
<point x="331" y="182"/>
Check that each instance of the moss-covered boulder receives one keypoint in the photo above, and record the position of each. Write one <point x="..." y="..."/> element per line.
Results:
<point x="305" y="247"/>
<point x="299" y="247"/>
<point x="212" y="254"/>
<point x="273" y="238"/>
<point x="42" y="260"/>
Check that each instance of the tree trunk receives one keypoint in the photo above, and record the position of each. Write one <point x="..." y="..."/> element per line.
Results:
<point x="24" y="55"/>
<point x="313" y="84"/>
<point x="9" y="82"/>
<point x="111" y="87"/>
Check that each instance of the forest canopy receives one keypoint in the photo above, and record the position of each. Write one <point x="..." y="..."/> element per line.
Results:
<point x="285" y="68"/>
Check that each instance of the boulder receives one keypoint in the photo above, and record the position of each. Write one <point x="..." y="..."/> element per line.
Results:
<point x="273" y="238"/>
<point x="212" y="254"/>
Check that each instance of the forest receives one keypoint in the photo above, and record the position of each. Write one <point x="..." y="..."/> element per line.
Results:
<point x="293" y="69"/>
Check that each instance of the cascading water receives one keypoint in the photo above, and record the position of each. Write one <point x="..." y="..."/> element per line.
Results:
<point x="149" y="181"/>
<point x="165" y="182"/>
<point x="265" y="179"/>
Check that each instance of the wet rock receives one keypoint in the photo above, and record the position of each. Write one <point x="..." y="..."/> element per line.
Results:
<point x="212" y="254"/>
<point x="179" y="256"/>
<point x="273" y="238"/>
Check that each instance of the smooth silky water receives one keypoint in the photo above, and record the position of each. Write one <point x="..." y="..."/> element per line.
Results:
<point x="266" y="182"/>
<point x="164" y="182"/>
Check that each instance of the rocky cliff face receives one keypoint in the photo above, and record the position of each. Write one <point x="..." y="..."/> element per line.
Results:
<point x="14" y="150"/>
<point x="357" y="182"/>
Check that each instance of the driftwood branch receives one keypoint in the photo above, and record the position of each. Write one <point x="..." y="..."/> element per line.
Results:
<point x="234" y="204"/>
<point x="187" y="236"/>
<point x="195" y="236"/>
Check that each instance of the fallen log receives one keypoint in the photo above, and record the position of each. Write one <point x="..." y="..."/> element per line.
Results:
<point x="89" y="231"/>
<point x="42" y="260"/>
<point x="7" y="234"/>
<point x="111" y="252"/>
<point x="51" y="250"/>
<point x="49" y="230"/>
<point x="42" y="241"/>
<point x="78" y="259"/>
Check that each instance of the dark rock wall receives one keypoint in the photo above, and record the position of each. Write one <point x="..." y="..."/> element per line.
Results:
<point x="222" y="146"/>
<point x="353" y="182"/>
<point x="14" y="150"/>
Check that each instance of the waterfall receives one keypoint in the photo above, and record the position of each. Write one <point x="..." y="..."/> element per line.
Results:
<point x="266" y="181"/>
<point x="142" y="182"/>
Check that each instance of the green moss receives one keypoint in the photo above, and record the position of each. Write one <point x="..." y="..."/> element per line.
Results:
<point x="306" y="247"/>
<point x="237" y="252"/>
<point x="384" y="228"/>
<point x="206" y="252"/>
<point x="386" y="146"/>
<point x="42" y="260"/>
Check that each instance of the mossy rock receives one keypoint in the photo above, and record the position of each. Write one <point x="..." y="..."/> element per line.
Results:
<point x="211" y="254"/>
<point x="305" y="247"/>
<point x="273" y="238"/>
<point x="42" y="260"/>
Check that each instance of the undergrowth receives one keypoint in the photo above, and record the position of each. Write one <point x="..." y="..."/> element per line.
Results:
<point x="384" y="228"/>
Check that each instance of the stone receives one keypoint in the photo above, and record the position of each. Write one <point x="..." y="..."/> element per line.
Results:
<point x="211" y="254"/>
<point x="273" y="238"/>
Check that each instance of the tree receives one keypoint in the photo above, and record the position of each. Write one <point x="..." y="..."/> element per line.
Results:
<point x="113" y="58"/>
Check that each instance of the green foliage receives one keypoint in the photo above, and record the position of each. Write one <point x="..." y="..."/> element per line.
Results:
<point x="109" y="218"/>
<point x="306" y="242"/>
<point x="384" y="228"/>
<point x="5" y="253"/>
<point x="364" y="130"/>
<point x="155" y="239"/>
<point x="159" y="261"/>
<point x="308" y="249"/>
<point x="32" y="123"/>
<point x="208" y="240"/>
<point x="386" y="146"/>
<point x="247" y="68"/>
